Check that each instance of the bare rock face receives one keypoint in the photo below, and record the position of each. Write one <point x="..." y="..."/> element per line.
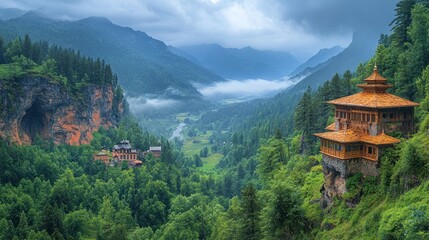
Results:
<point x="39" y="107"/>
<point x="334" y="185"/>
<point x="336" y="172"/>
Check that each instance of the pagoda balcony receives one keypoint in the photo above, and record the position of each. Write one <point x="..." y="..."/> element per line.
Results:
<point x="353" y="154"/>
<point x="349" y="154"/>
<point x="333" y="152"/>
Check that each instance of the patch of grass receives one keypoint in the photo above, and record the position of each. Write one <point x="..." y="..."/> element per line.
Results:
<point x="195" y="144"/>
<point x="210" y="162"/>
<point x="182" y="116"/>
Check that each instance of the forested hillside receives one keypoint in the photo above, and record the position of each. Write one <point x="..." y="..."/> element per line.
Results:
<point x="144" y="65"/>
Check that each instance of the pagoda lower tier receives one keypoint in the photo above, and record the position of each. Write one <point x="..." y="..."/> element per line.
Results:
<point x="350" y="144"/>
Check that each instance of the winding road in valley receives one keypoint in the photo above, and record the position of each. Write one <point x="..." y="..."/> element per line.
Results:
<point x="177" y="133"/>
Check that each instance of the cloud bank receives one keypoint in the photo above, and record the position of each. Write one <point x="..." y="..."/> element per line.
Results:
<point x="247" y="89"/>
<point x="298" y="26"/>
<point x="142" y="104"/>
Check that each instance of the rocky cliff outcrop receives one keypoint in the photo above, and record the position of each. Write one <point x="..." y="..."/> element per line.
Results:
<point x="336" y="172"/>
<point x="35" y="106"/>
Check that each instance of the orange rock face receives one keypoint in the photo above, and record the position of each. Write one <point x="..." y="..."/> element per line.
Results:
<point x="45" y="110"/>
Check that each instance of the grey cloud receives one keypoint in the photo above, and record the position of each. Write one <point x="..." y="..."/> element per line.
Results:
<point x="298" y="26"/>
<point x="336" y="16"/>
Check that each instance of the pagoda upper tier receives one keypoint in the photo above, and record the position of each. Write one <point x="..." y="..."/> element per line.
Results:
<point x="374" y="95"/>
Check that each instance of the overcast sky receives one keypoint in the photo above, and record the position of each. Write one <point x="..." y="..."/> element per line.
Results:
<point x="300" y="27"/>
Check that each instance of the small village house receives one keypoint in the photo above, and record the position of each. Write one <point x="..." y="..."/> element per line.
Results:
<point x="156" y="151"/>
<point x="120" y="153"/>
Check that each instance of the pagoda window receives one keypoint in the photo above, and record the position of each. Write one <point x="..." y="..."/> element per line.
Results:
<point x="384" y="115"/>
<point x="391" y="116"/>
<point x="338" y="147"/>
<point x="369" y="150"/>
<point x="372" y="117"/>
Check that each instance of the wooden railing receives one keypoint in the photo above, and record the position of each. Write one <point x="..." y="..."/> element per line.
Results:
<point x="370" y="156"/>
<point x="332" y="152"/>
<point x="353" y="154"/>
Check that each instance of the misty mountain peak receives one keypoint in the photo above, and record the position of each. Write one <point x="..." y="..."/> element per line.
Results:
<point x="9" y="13"/>
<point x="96" y="20"/>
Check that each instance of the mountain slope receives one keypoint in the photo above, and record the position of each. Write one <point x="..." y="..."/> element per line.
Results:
<point x="243" y="63"/>
<point x="144" y="65"/>
<point x="321" y="56"/>
<point x="360" y="50"/>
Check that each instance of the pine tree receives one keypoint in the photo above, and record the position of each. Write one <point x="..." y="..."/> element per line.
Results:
<point x="304" y="120"/>
<point x="26" y="47"/>
<point x="52" y="218"/>
<point x="283" y="217"/>
<point x="2" y="52"/>
<point x="22" y="228"/>
<point x="250" y="211"/>
<point x="402" y="21"/>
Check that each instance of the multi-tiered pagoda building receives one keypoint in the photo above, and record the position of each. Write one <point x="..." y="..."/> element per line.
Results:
<point x="356" y="139"/>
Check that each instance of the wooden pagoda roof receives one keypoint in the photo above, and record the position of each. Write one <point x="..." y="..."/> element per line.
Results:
<point x="331" y="127"/>
<point x="374" y="95"/>
<point x="352" y="136"/>
<point x="375" y="77"/>
<point x="374" y="100"/>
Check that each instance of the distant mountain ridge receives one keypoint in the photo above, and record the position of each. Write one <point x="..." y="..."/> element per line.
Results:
<point x="9" y="13"/>
<point x="360" y="50"/>
<point x="144" y="65"/>
<point x="320" y="57"/>
<point x="240" y="63"/>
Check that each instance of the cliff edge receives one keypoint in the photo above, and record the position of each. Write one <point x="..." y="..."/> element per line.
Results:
<point x="40" y="107"/>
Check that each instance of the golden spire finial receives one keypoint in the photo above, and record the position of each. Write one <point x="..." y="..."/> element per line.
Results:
<point x="375" y="67"/>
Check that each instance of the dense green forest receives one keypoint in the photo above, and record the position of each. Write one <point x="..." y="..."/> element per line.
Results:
<point x="267" y="186"/>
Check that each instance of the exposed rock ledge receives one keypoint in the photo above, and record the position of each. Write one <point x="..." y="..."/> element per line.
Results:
<point x="43" y="108"/>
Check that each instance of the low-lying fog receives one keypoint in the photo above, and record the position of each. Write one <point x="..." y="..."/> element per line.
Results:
<point x="244" y="89"/>
<point x="139" y="104"/>
<point x="224" y="92"/>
